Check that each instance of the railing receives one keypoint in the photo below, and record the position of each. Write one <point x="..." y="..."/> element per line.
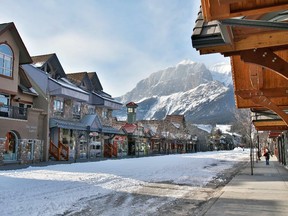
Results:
<point x="13" y="112"/>
<point x="63" y="151"/>
<point x="53" y="150"/>
<point x="76" y="115"/>
<point x="60" y="152"/>
<point x="108" y="150"/>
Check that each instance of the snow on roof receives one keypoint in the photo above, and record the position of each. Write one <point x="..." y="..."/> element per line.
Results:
<point x="66" y="83"/>
<point x="207" y="128"/>
<point x="38" y="64"/>
<point x="177" y="125"/>
<point x="224" y="128"/>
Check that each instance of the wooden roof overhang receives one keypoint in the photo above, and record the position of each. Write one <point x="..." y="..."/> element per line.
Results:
<point x="254" y="35"/>
<point x="224" y="9"/>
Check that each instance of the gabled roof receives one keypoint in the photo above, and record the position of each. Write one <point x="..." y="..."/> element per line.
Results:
<point x="95" y="81"/>
<point x="93" y="122"/>
<point x="39" y="61"/>
<point x="77" y="77"/>
<point x="129" y="128"/>
<point x="49" y="61"/>
<point x="81" y="79"/>
<point x="131" y="104"/>
<point x="24" y="57"/>
<point x="180" y="119"/>
<point x="89" y="81"/>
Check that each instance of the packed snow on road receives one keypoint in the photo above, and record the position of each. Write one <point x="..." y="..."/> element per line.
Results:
<point x="136" y="186"/>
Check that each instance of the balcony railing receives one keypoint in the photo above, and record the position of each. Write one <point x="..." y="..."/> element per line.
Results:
<point x="13" y="112"/>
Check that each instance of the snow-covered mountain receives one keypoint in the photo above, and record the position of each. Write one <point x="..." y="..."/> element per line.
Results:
<point x="222" y="73"/>
<point x="180" y="78"/>
<point x="202" y="95"/>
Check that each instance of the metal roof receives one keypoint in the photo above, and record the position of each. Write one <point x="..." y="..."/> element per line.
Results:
<point x="74" y="125"/>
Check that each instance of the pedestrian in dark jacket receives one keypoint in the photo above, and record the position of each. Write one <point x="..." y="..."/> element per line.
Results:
<point x="267" y="156"/>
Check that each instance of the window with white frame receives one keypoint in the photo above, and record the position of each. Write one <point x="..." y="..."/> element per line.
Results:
<point x="76" y="109"/>
<point x="4" y="104"/>
<point x="105" y="114"/>
<point x="91" y="109"/>
<point x="23" y="108"/>
<point x="6" y="60"/>
<point x="130" y="110"/>
<point x="58" y="106"/>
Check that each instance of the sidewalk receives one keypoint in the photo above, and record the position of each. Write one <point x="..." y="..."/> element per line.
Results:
<point x="264" y="193"/>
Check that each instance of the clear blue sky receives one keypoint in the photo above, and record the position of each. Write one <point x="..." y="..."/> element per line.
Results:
<point x="124" y="41"/>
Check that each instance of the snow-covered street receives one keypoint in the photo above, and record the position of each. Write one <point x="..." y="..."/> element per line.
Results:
<point x="138" y="186"/>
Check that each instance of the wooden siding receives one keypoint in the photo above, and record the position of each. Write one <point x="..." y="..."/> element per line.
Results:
<point x="224" y="9"/>
<point x="271" y="81"/>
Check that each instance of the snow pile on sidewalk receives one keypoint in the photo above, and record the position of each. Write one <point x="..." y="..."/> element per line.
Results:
<point x="54" y="189"/>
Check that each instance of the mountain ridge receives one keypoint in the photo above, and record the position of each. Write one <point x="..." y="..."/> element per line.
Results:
<point x="202" y="95"/>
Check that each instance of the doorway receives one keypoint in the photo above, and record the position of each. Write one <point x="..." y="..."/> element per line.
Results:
<point x="11" y="146"/>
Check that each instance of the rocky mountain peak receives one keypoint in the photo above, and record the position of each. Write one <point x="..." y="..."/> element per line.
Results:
<point x="180" y="78"/>
<point x="202" y="95"/>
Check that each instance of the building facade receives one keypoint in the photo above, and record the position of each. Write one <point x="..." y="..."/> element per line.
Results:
<point x="23" y="124"/>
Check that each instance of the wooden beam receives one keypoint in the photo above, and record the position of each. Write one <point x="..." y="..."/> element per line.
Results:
<point x="271" y="93"/>
<point x="268" y="125"/>
<point x="273" y="49"/>
<point x="271" y="128"/>
<point x="269" y="122"/>
<point x="266" y="58"/>
<point x="221" y="2"/>
<point x="265" y="102"/>
<point x="250" y="42"/>
<point x="256" y="76"/>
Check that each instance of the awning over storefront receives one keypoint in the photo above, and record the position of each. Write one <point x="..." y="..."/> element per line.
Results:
<point x="111" y="130"/>
<point x="90" y="123"/>
<point x="74" y="125"/>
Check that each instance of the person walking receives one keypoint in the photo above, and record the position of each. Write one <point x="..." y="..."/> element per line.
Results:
<point x="267" y="156"/>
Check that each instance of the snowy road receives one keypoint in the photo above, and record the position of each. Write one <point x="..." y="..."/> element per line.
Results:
<point x="162" y="185"/>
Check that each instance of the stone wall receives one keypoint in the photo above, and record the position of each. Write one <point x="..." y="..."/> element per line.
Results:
<point x="28" y="151"/>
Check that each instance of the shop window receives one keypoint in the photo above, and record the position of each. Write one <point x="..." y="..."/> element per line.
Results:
<point x="6" y="60"/>
<point x="83" y="146"/>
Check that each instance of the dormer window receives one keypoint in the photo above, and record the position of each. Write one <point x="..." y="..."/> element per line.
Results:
<point x="6" y="60"/>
